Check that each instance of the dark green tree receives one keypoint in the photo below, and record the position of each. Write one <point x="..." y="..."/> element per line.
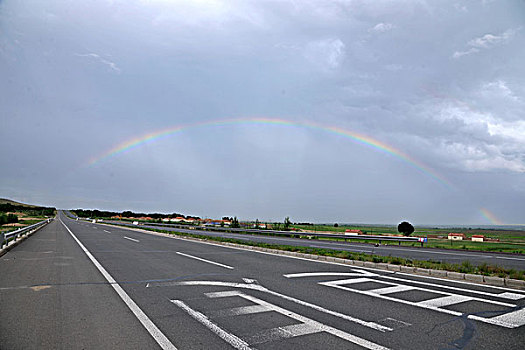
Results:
<point x="405" y="228"/>
<point x="3" y="219"/>
<point x="12" y="218"/>
<point x="235" y="223"/>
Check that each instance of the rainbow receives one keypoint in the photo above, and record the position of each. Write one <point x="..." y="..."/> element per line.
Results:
<point x="490" y="216"/>
<point x="356" y="137"/>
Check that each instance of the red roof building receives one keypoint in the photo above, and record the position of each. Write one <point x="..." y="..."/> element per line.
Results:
<point x="456" y="236"/>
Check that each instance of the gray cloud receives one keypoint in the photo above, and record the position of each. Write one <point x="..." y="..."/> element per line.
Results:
<point x="442" y="83"/>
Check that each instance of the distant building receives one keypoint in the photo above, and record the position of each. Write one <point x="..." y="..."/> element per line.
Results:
<point x="353" y="232"/>
<point x="478" y="238"/>
<point x="456" y="236"/>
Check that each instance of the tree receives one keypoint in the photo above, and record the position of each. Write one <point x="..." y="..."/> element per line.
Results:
<point x="405" y="228"/>
<point x="287" y="223"/>
<point x="11" y="218"/>
<point x="257" y="223"/>
<point x="3" y="219"/>
<point x="336" y="225"/>
<point x="235" y="223"/>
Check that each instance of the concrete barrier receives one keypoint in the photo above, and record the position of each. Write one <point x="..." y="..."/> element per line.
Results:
<point x="494" y="281"/>
<point x="408" y="269"/>
<point x="474" y="278"/>
<point x="456" y="275"/>
<point x="510" y="282"/>
<point x="392" y="267"/>
<point x="438" y="273"/>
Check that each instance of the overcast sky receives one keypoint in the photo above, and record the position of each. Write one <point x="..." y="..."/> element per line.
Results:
<point x="442" y="82"/>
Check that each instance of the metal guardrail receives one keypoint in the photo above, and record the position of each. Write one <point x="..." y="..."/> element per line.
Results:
<point x="284" y="233"/>
<point x="6" y="236"/>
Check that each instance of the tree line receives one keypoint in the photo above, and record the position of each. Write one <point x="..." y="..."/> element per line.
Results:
<point x="8" y="207"/>
<point x="95" y="213"/>
<point x="8" y="219"/>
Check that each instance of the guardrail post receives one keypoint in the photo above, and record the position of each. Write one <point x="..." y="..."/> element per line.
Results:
<point x="2" y="239"/>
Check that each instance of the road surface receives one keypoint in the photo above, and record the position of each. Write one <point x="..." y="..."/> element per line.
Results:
<point x="78" y="285"/>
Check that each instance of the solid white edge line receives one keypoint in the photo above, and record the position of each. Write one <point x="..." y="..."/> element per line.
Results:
<point x="159" y="337"/>
<point x="132" y="239"/>
<point x="204" y="260"/>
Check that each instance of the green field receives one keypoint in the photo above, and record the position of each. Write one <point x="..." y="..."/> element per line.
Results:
<point x="510" y="241"/>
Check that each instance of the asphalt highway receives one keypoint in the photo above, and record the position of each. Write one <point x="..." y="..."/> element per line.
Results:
<point x="511" y="261"/>
<point x="78" y="285"/>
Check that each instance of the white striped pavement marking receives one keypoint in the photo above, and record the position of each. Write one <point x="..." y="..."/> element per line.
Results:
<point x="152" y="329"/>
<point x="205" y="260"/>
<point x="279" y="333"/>
<point x="393" y="289"/>
<point x="260" y="288"/>
<point x="307" y="326"/>
<point x="360" y="273"/>
<point x="505" y="295"/>
<point x="243" y="310"/>
<point x="231" y="339"/>
<point x="515" y="318"/>
<point x="445" y="301"/>
<point x="373" y="291"/>
<point x="107" y="231"/>
<point x="132" y="239"/>
<point x="509" y="320"/>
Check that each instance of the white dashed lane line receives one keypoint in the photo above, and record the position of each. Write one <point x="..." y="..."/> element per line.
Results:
<point x="206" y="261"/>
